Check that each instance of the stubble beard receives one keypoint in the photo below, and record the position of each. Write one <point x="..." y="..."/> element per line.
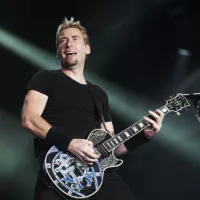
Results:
<point x="69" y="64"/>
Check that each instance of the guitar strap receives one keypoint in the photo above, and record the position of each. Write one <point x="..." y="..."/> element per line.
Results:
<point x="98" y="102"/>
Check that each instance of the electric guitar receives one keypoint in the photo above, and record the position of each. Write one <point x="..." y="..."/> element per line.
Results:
<point x="73" y="178"/>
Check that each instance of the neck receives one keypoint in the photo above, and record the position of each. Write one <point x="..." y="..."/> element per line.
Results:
<point x="130" y="132"/>
<point x="75" y="73"/>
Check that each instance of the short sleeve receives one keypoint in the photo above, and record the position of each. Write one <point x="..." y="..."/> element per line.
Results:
<point x="41" y="82"/>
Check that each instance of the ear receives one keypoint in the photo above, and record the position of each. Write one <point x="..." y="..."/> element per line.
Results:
<point x="88" y="49"/>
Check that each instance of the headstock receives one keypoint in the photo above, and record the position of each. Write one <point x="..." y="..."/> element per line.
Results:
<point x="177" y="103"/>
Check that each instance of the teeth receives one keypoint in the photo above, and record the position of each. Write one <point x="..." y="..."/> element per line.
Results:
<point x="70" y="53"/>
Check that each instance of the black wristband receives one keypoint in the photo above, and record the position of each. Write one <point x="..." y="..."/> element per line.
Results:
<point x="58" y="138"/>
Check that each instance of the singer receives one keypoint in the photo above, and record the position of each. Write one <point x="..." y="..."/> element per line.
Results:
<point x="59" y="110"/>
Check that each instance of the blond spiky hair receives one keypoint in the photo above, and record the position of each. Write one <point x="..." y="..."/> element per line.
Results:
<point x="71" y="24"/>
<point x="71" y="21"/>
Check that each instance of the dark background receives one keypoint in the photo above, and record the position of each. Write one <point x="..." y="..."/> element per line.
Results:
<point x="135" y="46"/>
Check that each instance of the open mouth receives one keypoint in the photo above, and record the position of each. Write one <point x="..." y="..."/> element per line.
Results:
<point x="70" y="54"/>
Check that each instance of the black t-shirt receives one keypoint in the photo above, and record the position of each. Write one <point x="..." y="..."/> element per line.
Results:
<point x="70" y="106"/>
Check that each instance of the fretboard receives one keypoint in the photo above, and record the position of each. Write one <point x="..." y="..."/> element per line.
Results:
<point x="130" y="132"/>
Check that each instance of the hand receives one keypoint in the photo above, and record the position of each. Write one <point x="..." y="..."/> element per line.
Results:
<point x="83" y="149"/>
<point x="155" y="125"/>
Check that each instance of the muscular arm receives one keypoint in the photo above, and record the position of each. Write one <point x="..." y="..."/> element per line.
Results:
<point x="121" y="149"/>
<point x="33" y="107"/>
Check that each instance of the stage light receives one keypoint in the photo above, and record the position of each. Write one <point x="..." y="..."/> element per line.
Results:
<point x="125" y="104"/>
<point x="183" y="52"/>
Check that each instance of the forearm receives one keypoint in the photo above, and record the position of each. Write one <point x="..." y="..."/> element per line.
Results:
<point x="36" y="125"/>
<point x="43" y="130"/>
<point x="120" y="150"/>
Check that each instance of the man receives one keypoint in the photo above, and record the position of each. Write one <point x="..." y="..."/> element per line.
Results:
<point x="59" y="109"/>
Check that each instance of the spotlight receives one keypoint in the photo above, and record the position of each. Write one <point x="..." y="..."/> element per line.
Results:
<point x="183" y="52"/>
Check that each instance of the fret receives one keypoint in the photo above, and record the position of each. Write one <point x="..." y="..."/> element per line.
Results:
<point x="107" y="146"/>
<point x="138" y="127"/>
<point x="119" y="137"/>
<point x="122" y="136"/>
<point x="164" y="110"/>
<point x="111" y="142"/>
<point x="116" y="140"/>
<point x="126" y="134"/>
<point x="146" y="123"/>
<point x="130" y="131"/>
<point x="141" y="125"/>
<point x="135" y="129"/>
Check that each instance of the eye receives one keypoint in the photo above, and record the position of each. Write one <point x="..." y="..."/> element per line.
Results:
<point x="62" y="40"/>
<point x="75" y="38"/>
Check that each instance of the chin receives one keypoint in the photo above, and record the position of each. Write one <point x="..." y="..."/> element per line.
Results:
<point x="70" y="64"/>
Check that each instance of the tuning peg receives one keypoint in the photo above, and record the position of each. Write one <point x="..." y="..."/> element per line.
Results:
<point x="173" y="95"/>
<point x="170" y="97"/>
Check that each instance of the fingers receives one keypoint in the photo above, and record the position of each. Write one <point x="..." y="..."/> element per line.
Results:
<point x="160" y="113"/>
<point x="89" y="150"/>
<point x="157" y="123"/>
<point x="84" y="150"/>
<point x="87" y="159"/>
<point x="90" y="143"/>
<point x="158" y="116"/>
<point x="87" y="153"/>
<point x="153" y="123"/>
<point x="90" y="153"/>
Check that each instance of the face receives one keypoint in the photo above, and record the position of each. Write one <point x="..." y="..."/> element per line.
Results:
<point x="72" y="48"/>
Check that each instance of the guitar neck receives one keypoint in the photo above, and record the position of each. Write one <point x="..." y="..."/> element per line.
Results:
<point x="130" y="132"/>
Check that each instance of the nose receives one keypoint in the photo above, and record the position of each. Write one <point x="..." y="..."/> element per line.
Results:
<point x="69" y="43"/>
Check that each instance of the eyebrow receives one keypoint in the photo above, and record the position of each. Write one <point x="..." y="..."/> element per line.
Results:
<point x="74" y="36"/>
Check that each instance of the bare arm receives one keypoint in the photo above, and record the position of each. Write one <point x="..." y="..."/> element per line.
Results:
<point x="121" y="149"/>
<point x="33" y="107"/>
